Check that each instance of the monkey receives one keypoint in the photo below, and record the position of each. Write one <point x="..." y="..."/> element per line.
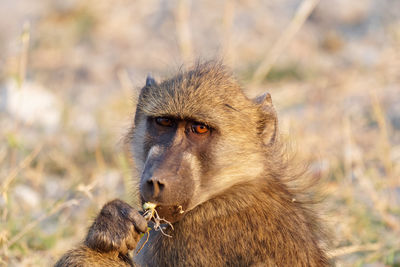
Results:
<point x="212" y="161"/>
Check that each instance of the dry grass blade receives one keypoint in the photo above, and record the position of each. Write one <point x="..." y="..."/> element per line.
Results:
<point x="11" y="176"/>
<point x="33" y="224"/>
<point x="183" y="30"/>
<point x="302" y="13"/>
<point x="144" y="243"/>
<point x="356" y="167"/>
<point x="25" y="38"/>
<point x="227" y="22"/>
<point x="353" y="249"/>
<point x="384" y="138"/>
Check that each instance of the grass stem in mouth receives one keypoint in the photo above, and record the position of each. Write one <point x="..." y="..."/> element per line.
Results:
<point x="152" y="214"/>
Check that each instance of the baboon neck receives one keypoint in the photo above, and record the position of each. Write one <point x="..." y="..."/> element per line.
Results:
<point x="241" y="198"/>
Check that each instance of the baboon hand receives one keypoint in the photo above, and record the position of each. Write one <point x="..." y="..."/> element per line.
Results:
<point x="116" y="228"/>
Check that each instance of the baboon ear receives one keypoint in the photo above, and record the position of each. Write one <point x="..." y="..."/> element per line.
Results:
<point x="264" y="99"/>
<point x="150" y="81"/>
<point x="269" y="120"/>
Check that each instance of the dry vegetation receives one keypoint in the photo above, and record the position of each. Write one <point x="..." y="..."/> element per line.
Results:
<point x="70" y="68"/>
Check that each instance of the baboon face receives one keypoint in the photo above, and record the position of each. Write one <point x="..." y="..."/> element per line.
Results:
<point x="175" y="149"/>
<point x="195" y="136"/>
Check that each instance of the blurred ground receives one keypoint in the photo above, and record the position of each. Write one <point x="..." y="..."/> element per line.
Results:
<point x="69" y="69"/>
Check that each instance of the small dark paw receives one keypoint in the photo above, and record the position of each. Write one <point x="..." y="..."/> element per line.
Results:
<point x="116" y="228"/>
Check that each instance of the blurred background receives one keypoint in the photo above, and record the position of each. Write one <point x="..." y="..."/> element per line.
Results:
<point x="69" y="72"/>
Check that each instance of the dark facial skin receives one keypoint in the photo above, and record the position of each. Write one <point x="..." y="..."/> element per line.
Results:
<point x="174" y="149"/>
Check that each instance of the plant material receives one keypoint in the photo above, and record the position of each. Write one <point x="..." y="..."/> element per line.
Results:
<point x="151" y="214"/>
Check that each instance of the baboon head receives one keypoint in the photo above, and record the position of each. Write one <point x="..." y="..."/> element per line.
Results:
<point x="196" y="135"/>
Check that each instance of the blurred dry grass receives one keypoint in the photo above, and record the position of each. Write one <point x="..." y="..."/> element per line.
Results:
<point x="70" y="68"/>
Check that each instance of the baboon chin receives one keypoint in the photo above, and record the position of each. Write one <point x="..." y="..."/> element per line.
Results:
<point x="211" y="161"/>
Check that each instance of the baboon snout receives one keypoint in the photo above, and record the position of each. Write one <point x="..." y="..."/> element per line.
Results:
<point x="166" y="178"/>
<point x="166" y="185"/>
<point x="153" y="188"/>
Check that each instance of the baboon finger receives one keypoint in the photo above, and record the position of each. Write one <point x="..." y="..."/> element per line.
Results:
<point x="132" y="239"/>
<point x="123" y="248"/>
<point x="138" y="221"/>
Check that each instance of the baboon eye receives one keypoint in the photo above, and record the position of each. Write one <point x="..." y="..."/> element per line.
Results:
<point x="164" y="122"/>
<point x="200" y="128"/>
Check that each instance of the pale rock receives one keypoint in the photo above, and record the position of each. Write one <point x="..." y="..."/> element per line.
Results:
<point x="32" y="104"/>
<point x="29" y="196"/>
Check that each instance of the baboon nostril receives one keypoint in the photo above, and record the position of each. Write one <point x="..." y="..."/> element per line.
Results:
<point x="160" y="185"/>
<point x="155" y="187"/>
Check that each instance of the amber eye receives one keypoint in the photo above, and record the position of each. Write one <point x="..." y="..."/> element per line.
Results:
<point x="200" y="128"/>
<point x="164" y="122"/>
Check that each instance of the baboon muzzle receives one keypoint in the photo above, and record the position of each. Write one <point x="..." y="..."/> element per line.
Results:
<point x="166" y="179"/>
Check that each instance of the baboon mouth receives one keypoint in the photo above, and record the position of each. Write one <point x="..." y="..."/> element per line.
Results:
<point x="168" y="211"/>
<point x="171" y="213"/>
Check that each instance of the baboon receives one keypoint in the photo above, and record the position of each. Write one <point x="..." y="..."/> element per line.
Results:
<point x="212" y="160"/>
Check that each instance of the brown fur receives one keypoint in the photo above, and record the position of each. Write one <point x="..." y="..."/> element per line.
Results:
<point x="250" y="224"/>
<point x="240" y="209"/>
<point x="86" y="257"/>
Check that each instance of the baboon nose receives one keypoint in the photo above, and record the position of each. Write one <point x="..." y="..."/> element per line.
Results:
<point x="154" y="187"/>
